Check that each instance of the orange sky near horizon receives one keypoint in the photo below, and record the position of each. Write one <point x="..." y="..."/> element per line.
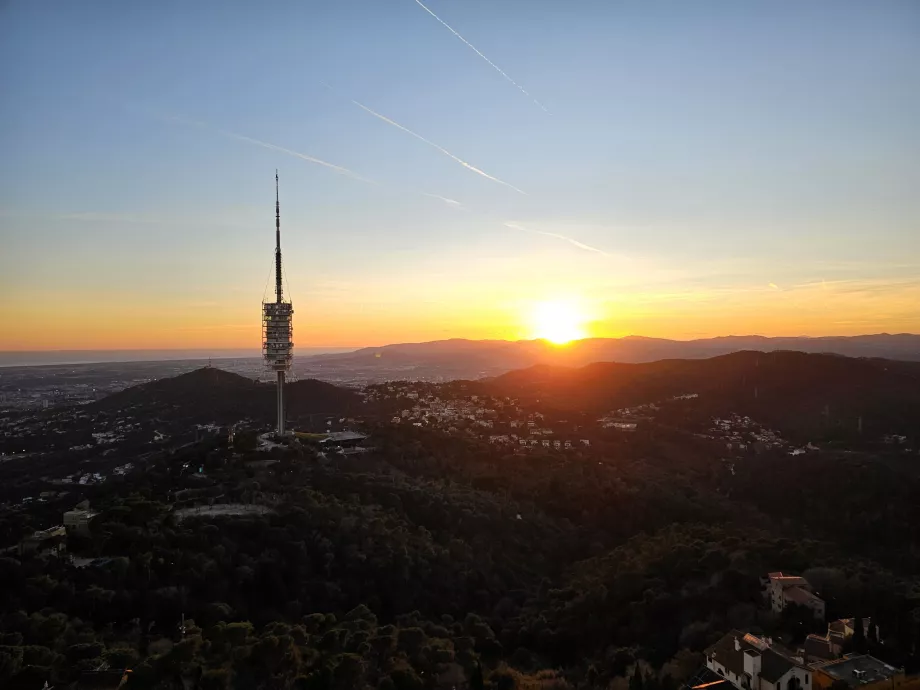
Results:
<point x="74" y="322"/>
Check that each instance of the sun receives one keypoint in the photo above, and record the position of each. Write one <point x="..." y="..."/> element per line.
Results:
<point x="558" y="321"/>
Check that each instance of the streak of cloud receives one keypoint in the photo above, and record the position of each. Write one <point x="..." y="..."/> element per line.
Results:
<point x="453" y="203"/>
<point x="476" y="50"/>
<point x="441" y="149"/>
<point x="103" y="217"/>
<point x="570" y="240"/>
<point x="339" y="169"/>
<point x="773" y="285"/>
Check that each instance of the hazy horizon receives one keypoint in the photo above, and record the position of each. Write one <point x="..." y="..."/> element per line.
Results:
<point x="12" y="358"/>
<point x="560" y="171"/>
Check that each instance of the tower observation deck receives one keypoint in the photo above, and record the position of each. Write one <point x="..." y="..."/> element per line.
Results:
<point x="277" y="323"/>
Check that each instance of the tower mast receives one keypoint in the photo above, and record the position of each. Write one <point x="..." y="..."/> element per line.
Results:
<point x="277" y="322"/>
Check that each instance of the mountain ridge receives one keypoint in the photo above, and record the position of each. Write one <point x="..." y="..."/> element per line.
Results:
<point x="494" y="355"/>
<point x="805" y="393"/>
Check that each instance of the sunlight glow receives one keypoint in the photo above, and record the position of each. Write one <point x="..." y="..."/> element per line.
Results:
<point x="558" y="321"/>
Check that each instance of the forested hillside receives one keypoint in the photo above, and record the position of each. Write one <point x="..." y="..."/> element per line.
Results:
<point x="432" y="559"/>
<point x="803" y="394"/>
<point x="436" y="559"/>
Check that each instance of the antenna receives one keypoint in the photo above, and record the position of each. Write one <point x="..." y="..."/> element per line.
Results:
<point x="278" y="294"/>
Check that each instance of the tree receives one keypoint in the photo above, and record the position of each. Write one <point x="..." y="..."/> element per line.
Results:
<point x="636" y="682"/>
<point x="859" y="636"/>
<point x="476" y="679"/>
<point x="592" y="676"/>
<point x="214" y="679"/>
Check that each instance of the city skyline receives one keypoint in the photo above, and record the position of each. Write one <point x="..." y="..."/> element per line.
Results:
<point x="458" y="170"/>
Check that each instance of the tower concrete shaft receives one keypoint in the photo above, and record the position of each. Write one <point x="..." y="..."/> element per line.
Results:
<point x="280" y="403"/>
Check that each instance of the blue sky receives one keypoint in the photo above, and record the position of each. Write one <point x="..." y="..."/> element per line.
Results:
<point x="708" y="149"/>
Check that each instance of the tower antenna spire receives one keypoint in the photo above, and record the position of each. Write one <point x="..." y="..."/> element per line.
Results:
<point x="278" y="294"/>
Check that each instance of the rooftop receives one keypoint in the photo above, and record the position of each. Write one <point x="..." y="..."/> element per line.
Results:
<point x="339" y="436"/>
<point x="78" y="512"/>
<point x="817" y="647"/>
<point x="774" y="663"/>
<point x="859" y="670"/>
<point x="799" y="595"/>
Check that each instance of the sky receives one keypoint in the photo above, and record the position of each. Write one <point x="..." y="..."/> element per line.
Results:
<point x="666" y="169"/>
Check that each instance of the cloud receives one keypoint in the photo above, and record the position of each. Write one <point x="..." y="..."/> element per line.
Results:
<point x="580" y="245"/>
<point x="103" y="217"/>
<point x="226" y="219"/>
<point x="339" y="169"/>
<point x="453" y="203"/>
<point x="447" y="153"/>
<point x="774" y="286"/>
<point x="476" y="50"/>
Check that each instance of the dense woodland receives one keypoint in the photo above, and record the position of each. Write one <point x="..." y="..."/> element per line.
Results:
<point x="437" y="561"/>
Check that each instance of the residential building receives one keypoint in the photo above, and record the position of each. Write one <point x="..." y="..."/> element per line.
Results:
<point x="843" y="628"/>
<point x="830" y="646"/>
<point x="77" y="520"/>
<point x="754" y="663"/>
<point x="44" y="542"/>
<point x="819" y="649"/>
<point x="784" y="590"/>
<point x="861" y="671"/>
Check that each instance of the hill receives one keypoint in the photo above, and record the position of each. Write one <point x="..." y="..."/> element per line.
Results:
<point x="803" y="394"/>
<point x="211" y="394"/>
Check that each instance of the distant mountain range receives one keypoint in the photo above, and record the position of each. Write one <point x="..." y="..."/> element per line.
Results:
<point x="473" y="358"/>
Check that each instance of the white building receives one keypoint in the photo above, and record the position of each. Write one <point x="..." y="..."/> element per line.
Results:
<point x="754" y="663"/>
<point x="78" y="520"/>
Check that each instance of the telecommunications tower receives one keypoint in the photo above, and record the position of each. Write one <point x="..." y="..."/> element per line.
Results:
<point x="277" y="323"/>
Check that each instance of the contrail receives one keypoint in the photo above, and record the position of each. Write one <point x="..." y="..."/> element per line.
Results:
<point x="341" y="170"/>
<point x="435" y="146"/>
<point x="273" y="147"/>
<point x="494" y="66"/>
<point x="453" y="203"/>
<point x="580" y="245"/>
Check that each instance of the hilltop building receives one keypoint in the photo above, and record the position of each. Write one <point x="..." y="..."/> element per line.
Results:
<point x="754" y="663"/>
<point x="784" y="590"/>
<point x="77" y="520"/>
